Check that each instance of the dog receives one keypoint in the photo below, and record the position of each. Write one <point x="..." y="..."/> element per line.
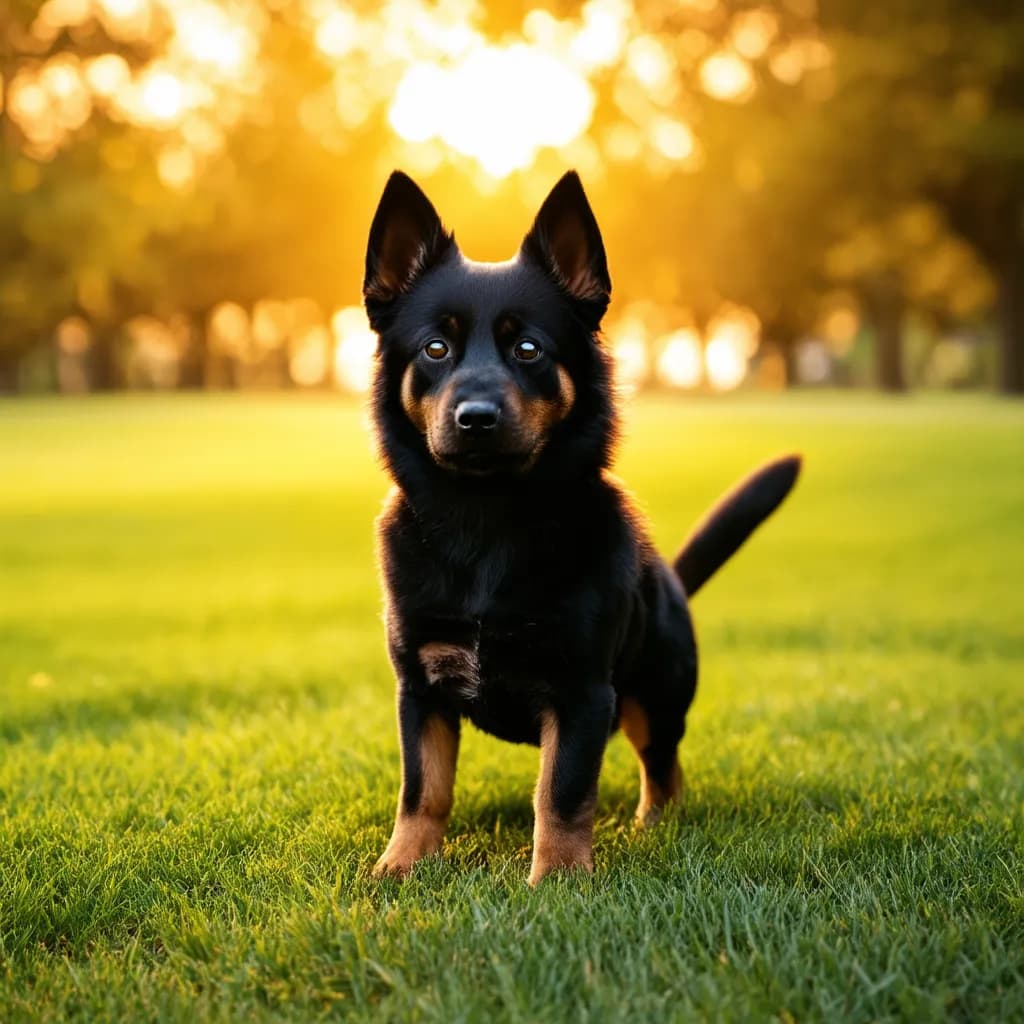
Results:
<point x="522" y="591"/>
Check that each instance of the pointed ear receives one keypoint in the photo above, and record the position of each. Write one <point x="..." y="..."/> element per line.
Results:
<point x="566" y="242"/>
<point x="406" y="239"/>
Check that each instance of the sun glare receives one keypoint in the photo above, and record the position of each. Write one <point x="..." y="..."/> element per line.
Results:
<point x="497" y="105"/>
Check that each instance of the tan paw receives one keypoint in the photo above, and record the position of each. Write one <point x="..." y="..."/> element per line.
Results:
<point x="413" y="839"/>
<point x="656" y="803"/>
<point x="649" y="816"/>
<point x="569" y="853"/>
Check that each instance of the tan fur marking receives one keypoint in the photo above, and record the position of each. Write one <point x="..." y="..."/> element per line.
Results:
<point x="450" y="661"/>
<point x="634" y="724"/>
<point x="439" y="749"/>
<point x="541" y="414"/>
<point x="557" y="843"/>
<point x="420" y="834"/>
<point x="568" y="391"/>
<point x="654" y="798"/>
<point x="417" y="410"/>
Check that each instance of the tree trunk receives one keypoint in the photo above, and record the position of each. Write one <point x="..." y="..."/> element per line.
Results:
<point x="194" y="362"/>
<point x="8" y="374"/>
<point x="103" y="369"/>
<point x="1011" y="334"/>
<point x="788" y="350"/>
<point x="778" y="336"/>
<point x="887" y="306"/>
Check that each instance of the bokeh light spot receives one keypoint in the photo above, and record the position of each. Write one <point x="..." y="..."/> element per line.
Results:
<point x="727" y="76"/>
<point x="355" y="344"/>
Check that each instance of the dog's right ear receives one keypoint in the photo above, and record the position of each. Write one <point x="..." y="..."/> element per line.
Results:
<point x="566" y="242"/>
<point x="407" y="238"/>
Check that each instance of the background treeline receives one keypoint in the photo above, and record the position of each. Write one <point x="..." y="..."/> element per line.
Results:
<point x="185" y="186"/>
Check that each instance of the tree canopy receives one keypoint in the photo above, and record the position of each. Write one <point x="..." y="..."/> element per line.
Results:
<point x="830" y="170"/>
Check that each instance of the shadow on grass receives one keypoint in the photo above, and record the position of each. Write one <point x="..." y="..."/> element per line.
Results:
<point x="816" y="835"/>
<point x="175" y="706"/>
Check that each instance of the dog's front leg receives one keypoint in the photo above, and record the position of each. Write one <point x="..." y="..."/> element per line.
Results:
<point x="571" y="747"/>
<point x="429" y="735"/>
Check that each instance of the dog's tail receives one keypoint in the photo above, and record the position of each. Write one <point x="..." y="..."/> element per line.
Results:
<point x="736" y="516"/>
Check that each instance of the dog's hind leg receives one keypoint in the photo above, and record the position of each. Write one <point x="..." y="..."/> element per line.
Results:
<point x="655" y="698"/>
<point x="656" y="741"/>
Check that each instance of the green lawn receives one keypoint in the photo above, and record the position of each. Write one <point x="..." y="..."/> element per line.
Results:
<point x="198" y="760"/>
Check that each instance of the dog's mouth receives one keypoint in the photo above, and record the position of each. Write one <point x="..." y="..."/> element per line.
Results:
<point x="485" y="463"/>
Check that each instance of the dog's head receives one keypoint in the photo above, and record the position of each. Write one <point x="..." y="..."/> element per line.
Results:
<point x="488" y="369"/>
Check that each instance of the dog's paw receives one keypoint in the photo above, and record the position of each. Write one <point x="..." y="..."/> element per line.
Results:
<point x="658" y="802"/>
<point x="648" y="817"/>
<point x="563" y="857"/>
<point x="539" y="872"/>
<point x="652" y="815"/>
<point x="413" y="839"/>
<point x="388" y="866"/>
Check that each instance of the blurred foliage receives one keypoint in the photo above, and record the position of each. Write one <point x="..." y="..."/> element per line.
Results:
<point x="827" y="167"/>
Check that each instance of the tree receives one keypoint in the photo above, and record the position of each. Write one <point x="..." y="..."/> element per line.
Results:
<point x="942" y="86"/>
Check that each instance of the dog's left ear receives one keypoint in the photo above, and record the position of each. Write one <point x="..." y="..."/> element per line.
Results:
<point x="566" y="242"/>
<point x="407" y="238"/>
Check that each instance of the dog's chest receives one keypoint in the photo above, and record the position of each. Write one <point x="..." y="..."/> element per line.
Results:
<point x="496" y="677"/>
<point x="484" y="655"/>
<point x="486" y="622"/>
<point x="493" y="659"/>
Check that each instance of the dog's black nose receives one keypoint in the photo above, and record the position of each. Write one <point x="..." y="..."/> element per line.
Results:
<point x="477" y="416"/>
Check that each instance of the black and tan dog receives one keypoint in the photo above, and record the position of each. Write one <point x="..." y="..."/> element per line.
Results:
<point x="522" y="590"/>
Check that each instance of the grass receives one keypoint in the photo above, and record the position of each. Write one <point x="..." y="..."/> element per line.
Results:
<point x="198" y="761"/>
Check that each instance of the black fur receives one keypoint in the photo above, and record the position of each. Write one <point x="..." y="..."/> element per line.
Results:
<point x="511" y="544"/>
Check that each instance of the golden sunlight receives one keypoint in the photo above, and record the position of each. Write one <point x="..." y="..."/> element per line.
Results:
<point x="733" y="337"/>
<point x="309" y="356"/>
<point x="727" y="76"/>
<point x="725" y="362"/>
<point x="210" y="36"/>
<point x="229" y="329"/>
<point x="672" y="138"/>
<point x="107" y="74"/>
<point x="355" y="345"/>
<point x="679" y="364"/>
<point x="177" y="167"/>
<point x="753" y="32"/>
<point x="498" y="105"/>
<point x="161" y="97"/>
<point x="337" y="33"/>
<point x="628" y="337"/>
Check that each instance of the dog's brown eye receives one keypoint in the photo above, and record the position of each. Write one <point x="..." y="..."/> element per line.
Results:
<point x="436" y="349"/>
<point x="526" y="350"/>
